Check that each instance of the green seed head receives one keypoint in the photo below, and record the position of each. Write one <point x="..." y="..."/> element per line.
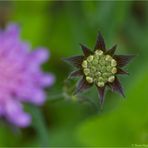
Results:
<point x="99" y="68"/>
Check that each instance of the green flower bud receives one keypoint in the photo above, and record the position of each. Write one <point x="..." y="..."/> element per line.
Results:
<point x="105" y="74"/>
<point x="108" y="68"/>
<point x="111" y="79"/>
<point x="103" y="69"/>
<point x="98" y="73"/>
<point x="93" y="69"/>
<point x="95" y="61"/>
<point x="108" y="58"/>
<point x="99" y="52"/>
<point x="113" y="62"/>
<point x="84" y="64"/>
<point x="102" y="62"/>
<point x="100" y="79"/>
<point x="89" y="79"/>
<point x="86" y="71"/>
<point x="90" y="58"/>
<point x="114" y="70"/>
<point x="100" y="84"/>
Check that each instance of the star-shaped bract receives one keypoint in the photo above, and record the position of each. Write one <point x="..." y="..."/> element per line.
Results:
<point x="100" y="67"/>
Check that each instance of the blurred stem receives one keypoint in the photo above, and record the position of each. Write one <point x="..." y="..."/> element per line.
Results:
<point x="90" y="101"/>
<point x="40" y="126"/>
<point x="55" y="97"/>
<point x="60" y="96"/>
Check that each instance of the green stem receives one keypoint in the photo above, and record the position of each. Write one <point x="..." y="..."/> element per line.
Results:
<point x="39" y="125"/>
<point x="55" y="97"/>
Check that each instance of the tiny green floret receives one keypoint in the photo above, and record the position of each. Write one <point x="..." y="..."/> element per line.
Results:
<point x="89" y="79"/>
<point x="84" y="64"/>
<point x="99" y="68"/>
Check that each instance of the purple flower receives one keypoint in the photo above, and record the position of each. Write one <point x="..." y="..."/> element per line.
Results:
<point x="21" y="77"/>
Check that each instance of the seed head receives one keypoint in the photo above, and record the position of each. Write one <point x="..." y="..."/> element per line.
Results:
<point x="99" y="68"/>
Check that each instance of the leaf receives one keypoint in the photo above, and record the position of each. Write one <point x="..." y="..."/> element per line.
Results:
<point x="124" y="126"/>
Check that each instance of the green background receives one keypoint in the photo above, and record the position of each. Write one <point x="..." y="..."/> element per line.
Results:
<point x="65" y="121"/>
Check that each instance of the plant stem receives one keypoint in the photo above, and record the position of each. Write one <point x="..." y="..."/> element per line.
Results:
<point x="39" y="125"/>
<point x="55" y="97"/>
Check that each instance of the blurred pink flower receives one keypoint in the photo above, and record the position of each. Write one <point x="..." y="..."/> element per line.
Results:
<point x="21" y="77"/>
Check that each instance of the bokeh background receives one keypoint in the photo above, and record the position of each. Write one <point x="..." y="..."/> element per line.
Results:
<point x="66" y="120"/>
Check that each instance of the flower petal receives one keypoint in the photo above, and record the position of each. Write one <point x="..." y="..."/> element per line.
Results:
<point x="101" y="92"/>
<point x="1" y="110"/>
<point x="12" y="31"/>
<point x="14" y="114"/>
<point x="116" y="86"/>
<point x="32" y="94"/>
<point x="76" y="73"/>
<point x="39" y="97"/>
<point x="86" y="50"/>
<point x="75" y="60"/>
<point x="40" y="55"/>
<point x="82" y="85"/>
<point x="112" y="50"/>
<point x="100" y="44"/>
<point x="123" y="60"/>
<point x="121" y="71"/>
<point x="46" y="80"/>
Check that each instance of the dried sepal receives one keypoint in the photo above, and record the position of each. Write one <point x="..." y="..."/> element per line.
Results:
<point x="112" y="50"/>
<point x="75" y="73"/>
<point x="82" y="85"/>
<point x="75" y="60"/>
<point x="86" y="50"/>
<point x="121" y="72"/>
<point x="116" y="86"/>
<point x="123" y="60"/>
<point x="101" y="93"/>
<point x="100" y="44"/>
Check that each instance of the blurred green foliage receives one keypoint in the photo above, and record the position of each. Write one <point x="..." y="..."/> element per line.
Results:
<point x="61" y="26"/>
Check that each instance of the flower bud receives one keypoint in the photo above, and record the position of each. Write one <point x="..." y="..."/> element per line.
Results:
<point x="114" y="70"/>
<point x="100" y="84"/>
<point x="111" y="79"/>
<point x="86" y="71"/>
<point x="89" y="79"/>
<point x="113" y="62"/>
<point x="84" y="64"/>
<point x="90" y="58"/>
